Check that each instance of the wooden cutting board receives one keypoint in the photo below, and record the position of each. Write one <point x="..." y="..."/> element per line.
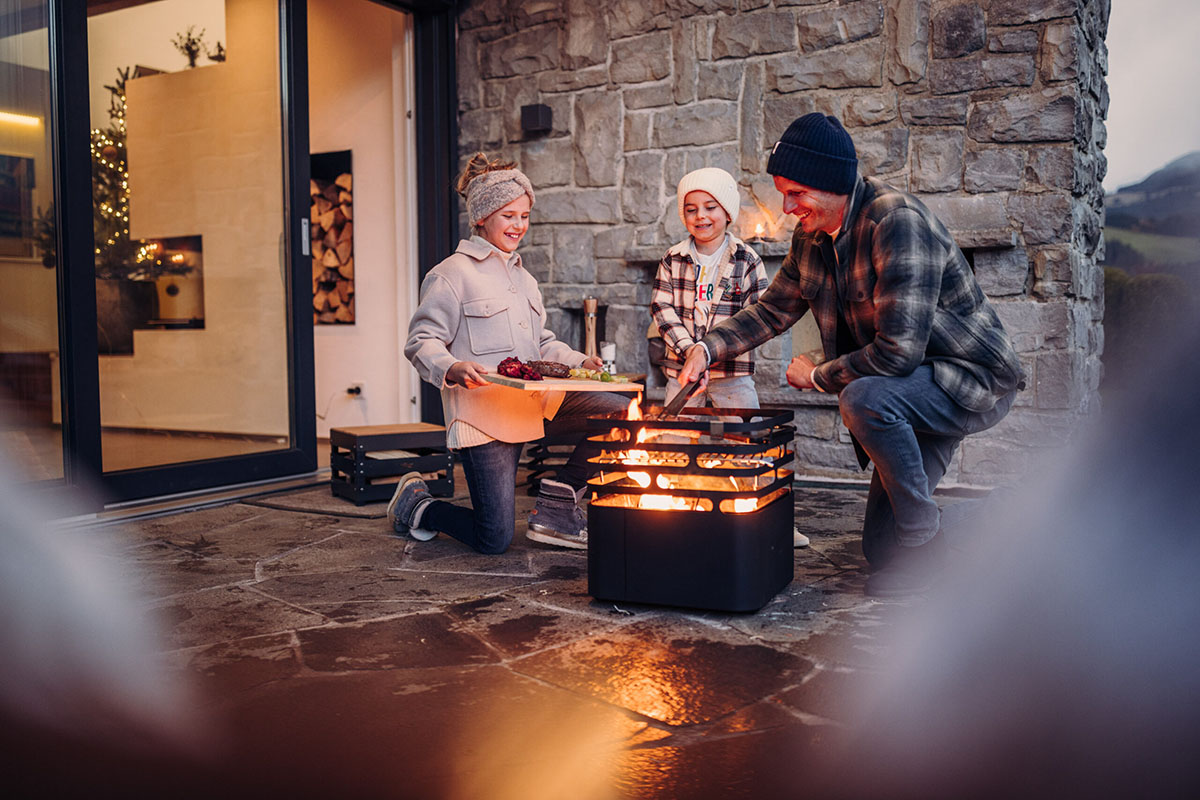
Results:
<point x="562" y="384"/>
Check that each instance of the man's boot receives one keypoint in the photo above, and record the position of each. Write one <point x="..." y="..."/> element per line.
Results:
<point x="911" y="570"/>
<point x="556" y="517"/>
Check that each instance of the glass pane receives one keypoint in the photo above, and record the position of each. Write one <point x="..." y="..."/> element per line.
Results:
<point x="188" y="187"/>
<point x="30" y="411"/>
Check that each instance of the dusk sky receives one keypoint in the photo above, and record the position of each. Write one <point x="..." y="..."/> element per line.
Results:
<point x="1153" y="69"/>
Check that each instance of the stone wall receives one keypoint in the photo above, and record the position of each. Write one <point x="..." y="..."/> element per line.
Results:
<point x="991" y="111"/>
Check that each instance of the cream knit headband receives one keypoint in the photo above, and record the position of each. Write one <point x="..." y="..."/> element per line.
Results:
<point x="492" y="191"/>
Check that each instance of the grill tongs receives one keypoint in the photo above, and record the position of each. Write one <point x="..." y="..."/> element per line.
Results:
<point x="677" y="403"/>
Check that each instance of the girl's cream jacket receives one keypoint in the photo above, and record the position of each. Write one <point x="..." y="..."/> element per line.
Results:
<point x="475" y="307"/>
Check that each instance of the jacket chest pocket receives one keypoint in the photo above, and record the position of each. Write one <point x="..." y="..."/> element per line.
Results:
<point x="488" y="325"/>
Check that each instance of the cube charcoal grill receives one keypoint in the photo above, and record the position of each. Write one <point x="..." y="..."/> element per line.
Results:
<point x="692" y="511"/>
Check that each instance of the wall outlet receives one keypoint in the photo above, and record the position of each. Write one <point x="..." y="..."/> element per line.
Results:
<point x="356" y="388"/>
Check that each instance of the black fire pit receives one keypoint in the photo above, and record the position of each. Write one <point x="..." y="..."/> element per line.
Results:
<point x="692" y="511"/>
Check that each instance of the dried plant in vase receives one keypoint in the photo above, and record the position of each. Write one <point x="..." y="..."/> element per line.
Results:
<point x="190" y="44"/>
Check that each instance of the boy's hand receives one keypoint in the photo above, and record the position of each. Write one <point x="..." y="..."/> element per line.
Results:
<point x="695" y="365"/>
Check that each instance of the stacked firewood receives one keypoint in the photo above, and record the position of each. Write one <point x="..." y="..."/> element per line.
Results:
<point x="332" y="249"/>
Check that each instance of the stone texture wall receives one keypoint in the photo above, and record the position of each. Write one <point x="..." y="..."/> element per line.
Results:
<point x="992" y="111"/>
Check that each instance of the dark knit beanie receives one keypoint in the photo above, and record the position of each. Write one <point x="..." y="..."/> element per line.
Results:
<point x="816" y="151"/>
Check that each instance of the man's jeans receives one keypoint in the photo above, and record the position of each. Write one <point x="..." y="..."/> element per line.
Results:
<point x="491" y="472"/>
<point x="909" y="427"/>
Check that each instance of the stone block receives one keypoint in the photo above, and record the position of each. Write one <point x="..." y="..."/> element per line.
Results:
<point x="561" y="111"/>
<point x="982" y="72"/>
<point x="779" y="111"/>
<point x="632" y="17"/>
<point x="849" y="66"/>
<point x="517" y="92"/>
<point x="751" y="122"/>
<point x="582" y="206"/>
<point x="1018" y="12"/>
<point x="470" y="82"/>
<point x="523" y="53"/>
<point x="755" y="34"/>
<point x="751" y="5"/>
<point x="720" y="81"/>
<point x="649" y="95"/>
<point x="881" y="150"/>
<point x="1061" y="51"/>
<point x="478" y="15"/>
<point x="527" y="13"/>
<point x="975" y="220"/>
<point x="637" y="131"/>
<point x="641" y="59"/>
<point x="493" y="93"/>
<point x="684" y="50"/>
<point x="547" y="162"/>
<point x="572" y="80"/>
<point x="573" y="255"/>
<point x="816" y="423"/>
<point x="1042" y="218"/>
<point x="993" y="169"/>
<point x="585" y="34"/>
<point x="1051" y="167"/>
<point x="937" y="161"/>
<point x="934" y="110"/>
<point x="625" y="326"/>
<point x="989" y="462"/>
<point x="613" y="242"/>
<point x="1035" y="326"/>
<point x="958" y="31"/>
<point x="597" y="113"/>
<point x="536" y="261"/>
<point x="1038" y="116"/>
<point x="703" y="123"/>
<point x="1053" y="264"/>
<point x="1020" y="40"/>
<point x="617" y="270"/>
<point x="873" y="108"/>
<point x="1002" y="272"/>
<point x="829" y="27"/>
<point x="1056" y="380"/>
<point x="482" y="129"/>
<point x="642" y="190"/>
<point x="908" y="50"/>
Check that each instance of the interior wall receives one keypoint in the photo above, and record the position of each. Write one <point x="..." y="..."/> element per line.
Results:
<point x="205" y="158"/>
<point x="359" y="71"/>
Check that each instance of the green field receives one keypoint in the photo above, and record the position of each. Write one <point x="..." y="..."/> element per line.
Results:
<point x="1157" y="248"/>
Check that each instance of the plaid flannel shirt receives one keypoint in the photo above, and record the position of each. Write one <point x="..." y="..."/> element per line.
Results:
<point x="906" y="293"/>
<point x="741" y="280"/>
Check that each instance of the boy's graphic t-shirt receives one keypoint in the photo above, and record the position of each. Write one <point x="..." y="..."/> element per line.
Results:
<point x="708" y="271"/>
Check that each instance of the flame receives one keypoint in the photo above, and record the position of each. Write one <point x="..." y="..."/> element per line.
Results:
<point x="642" y="479"/>
<point x="665" y="502"/>
<point x="759" y="229"/>
<point x="634" y="412"/>
<point x="744" y="505"/>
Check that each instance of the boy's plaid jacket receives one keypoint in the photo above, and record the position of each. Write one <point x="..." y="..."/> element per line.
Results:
<point x="741" y="280"/>
<point x="906" y="292"/>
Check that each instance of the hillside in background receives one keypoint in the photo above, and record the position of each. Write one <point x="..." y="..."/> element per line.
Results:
<point x="1152" y="265"/>
<point x="1154" y="225"/>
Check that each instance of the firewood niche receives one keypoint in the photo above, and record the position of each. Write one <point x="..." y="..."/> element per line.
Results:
<point x="332" y="225"/>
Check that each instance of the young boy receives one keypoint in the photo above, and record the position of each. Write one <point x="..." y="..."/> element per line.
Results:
<point x="706" y="278"/>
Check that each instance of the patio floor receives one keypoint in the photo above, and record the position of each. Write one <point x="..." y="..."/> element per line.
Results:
<point x="338" y="659"/>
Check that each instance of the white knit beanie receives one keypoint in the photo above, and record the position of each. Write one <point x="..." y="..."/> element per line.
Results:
<point x="717" y="182"/>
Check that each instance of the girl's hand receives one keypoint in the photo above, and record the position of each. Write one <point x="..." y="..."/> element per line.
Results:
<point x="466" y="373"/>
<point x="592" y="362"/>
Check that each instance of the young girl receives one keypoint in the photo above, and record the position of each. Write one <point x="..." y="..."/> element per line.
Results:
<point x="706" y="278"/>
<point x="477" y="308"/>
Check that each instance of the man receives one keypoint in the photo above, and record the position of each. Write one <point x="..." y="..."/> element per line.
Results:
<point x="913" y="350"/>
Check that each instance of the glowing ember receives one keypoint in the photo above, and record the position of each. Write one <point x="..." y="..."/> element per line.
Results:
<point x="663" y="502"/>
<point x="642" y="479"/>
<point x="744" y="505"/>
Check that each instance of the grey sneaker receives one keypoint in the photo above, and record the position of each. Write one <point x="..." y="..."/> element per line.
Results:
<point x="410" y="493"/>
<point x="556" y="517"/>
<point x="798" y="538"/>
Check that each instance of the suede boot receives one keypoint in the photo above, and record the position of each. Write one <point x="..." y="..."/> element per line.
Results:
<point x="556" y="517"/>
<point x="912" y="570"/>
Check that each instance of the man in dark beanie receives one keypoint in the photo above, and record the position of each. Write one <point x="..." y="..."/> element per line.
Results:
<point x="916" y="355"/>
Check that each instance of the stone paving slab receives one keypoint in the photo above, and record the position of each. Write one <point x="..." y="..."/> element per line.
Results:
<point x="322" y="638"/>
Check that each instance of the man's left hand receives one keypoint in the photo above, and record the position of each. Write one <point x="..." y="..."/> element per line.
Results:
<point x="799" y="373"/>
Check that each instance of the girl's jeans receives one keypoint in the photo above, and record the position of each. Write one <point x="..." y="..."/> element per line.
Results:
<point x="491" y="471"/>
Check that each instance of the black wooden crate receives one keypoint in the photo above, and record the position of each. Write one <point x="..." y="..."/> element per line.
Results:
<point x="360" y="465"/>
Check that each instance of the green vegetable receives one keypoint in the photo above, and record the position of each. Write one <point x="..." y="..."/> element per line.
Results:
<point x="606" y="378"/>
